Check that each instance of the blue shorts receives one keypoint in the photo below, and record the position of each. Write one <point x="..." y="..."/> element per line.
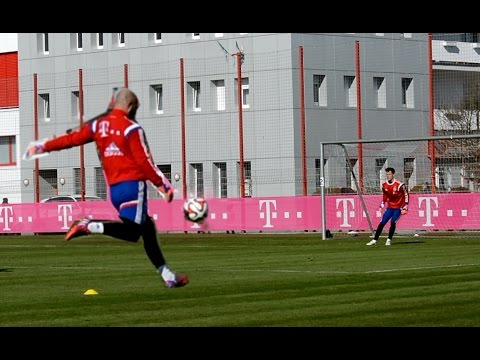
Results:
<point x="393" y="214"/>
<point x="130" y="199"/>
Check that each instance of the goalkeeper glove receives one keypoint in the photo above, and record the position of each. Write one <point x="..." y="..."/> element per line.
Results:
<point x="34" y="150"/>
<point x="404" y="210"/>
<point x="166" y="191"/>
<point x="382" y="205"/>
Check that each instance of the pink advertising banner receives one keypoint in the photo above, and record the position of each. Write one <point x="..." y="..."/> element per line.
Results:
<point x="345" y="213"/>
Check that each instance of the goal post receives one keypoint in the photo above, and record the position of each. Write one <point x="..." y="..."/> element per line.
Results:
<point x="442" y="174"/>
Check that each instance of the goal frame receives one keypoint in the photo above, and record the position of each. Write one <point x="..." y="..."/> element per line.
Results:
<point x="370" y="141"/>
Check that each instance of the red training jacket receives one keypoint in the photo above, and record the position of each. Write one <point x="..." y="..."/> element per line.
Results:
<point x="395" y="194"/>
<point x="121" y="145"/>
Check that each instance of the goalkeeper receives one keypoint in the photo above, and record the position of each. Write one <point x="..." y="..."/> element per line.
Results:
<point x="127" y="164"/>
<point x="395" y="197"/>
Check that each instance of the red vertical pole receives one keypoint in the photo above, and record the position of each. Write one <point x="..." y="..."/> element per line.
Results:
<point x="35" y="127"/>
<point x="240" y="123"/>
<point x="302" y="121"/>
<point x="82" y="154"/>
<point x="359" y="114"/>
<point x="431" y="143"/>
<point x="125" y="75"/>
<point x="182" y="115"/>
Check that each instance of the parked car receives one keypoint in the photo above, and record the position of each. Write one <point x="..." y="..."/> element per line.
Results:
<point x="70" y="198"/>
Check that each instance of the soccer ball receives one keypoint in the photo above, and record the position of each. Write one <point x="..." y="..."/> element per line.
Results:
<point x="195" y="210"/>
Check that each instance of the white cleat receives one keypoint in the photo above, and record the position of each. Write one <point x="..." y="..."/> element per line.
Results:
<point x="388" y="242"/>
<point x="371" y="242"/>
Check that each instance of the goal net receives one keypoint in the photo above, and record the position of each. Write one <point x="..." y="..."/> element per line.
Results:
<point x="441" y="173"/>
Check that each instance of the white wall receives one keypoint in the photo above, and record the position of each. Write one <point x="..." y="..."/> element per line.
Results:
<point x="8" y="42"/>
<point x="10" y="183"/>
<point x="456" y="52"/>
<point x="10" y="179"/>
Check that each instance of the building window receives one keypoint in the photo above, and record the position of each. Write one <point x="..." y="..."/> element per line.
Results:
<point x="42" y="43"/>
<point x="407" y="35"/>
<point x="245" y="93"/>
<point x="156" y="98"/>
<point x="380" y="92"/>
<point x="380" y="34"/>
<point x="44" y="107"/>
<point x="195" y="35"/>
<point x="319" y="90"/>
<point x="247" y="168"/>
<point x="155" y="38"/>
<point x="46" y="46"/>
<point x="196" y="180"/>
<point x="79" y="42"/>
<point x="166" y="169"/>
<point x="219" y="88"/>
<point x="48" y="183"/>
<point x="317" y="175"/>
<point x="380" y="165"/>
<point x="408" y="170"/>
<point x="318" y="179"/>
<point x="99" y="40"/>
<point x="8" y="150"/>
<point x="76" y="181"/>
<point x="75" y="103"/>
<point x="351" y="90"/>
<point x="407" y="93"/>
<point x="220" y="179"/>
<point x="193" y="96"/>
<point x="351" y="168"/>
<point x="100" y="184"/>
<point x="76" y="42"/>
<point x="217" y="35"/>
<point x="119" y="39"/>
<point x="243" y="33"/>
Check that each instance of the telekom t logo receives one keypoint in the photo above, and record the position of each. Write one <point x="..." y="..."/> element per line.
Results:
<point x="269" y="212"/>
<point x="6" y="216"/>
<point x="103" y="128"/>
<point x="65" y="214"/>
<point x="343" y="210"/>
<point x="429" y="212"/>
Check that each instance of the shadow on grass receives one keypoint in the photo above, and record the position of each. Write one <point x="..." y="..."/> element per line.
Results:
<point x="408" y="242"/>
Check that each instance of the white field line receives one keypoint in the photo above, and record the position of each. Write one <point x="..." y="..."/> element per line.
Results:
<point x="284" y="271"/>
<point x="343" y="272"/>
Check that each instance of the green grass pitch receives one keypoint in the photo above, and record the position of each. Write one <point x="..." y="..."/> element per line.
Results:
<point x="241" y="280"/>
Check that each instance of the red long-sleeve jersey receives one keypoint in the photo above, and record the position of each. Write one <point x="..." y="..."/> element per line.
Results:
<point x="395" y="194"/>
<point x="121" y="145"/>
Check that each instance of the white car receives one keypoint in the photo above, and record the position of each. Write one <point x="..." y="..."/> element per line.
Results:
<point x="70" y="198"/>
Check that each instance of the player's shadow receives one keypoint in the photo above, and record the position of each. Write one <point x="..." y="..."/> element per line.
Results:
<point x="5" y="270"/>
<point x="409" y="242"/>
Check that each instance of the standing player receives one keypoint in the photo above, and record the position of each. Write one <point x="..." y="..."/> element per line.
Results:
<point x="128" y="165"/>
<point x="395" y="195"/>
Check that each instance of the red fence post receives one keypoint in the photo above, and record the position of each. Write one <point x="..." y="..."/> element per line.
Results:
<point x="359" y="114"/>
<point x="431" y="144"/>
<point x="182" y="112"/>
<point x="82" y="153"/>
<point x="302" y="121"/>
<point x="35" y="127"/>
<point x="240" y="123"/>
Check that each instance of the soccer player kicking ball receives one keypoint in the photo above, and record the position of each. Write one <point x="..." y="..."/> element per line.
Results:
<point x="395" y="195"/>
<point x="127" y="163"/>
